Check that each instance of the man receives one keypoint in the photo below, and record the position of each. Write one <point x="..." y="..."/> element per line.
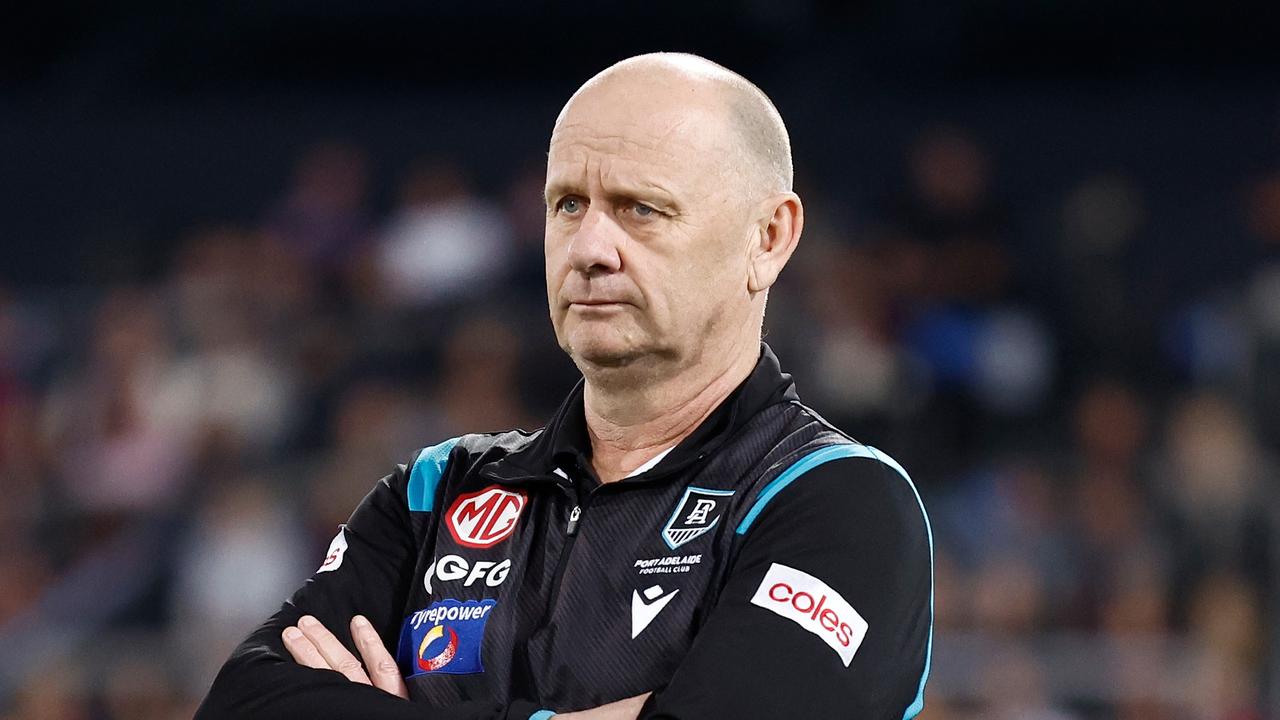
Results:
<point x="683" y="539"/>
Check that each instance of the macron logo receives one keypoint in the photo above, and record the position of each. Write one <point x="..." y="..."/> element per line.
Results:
<point x="645" y="609"/>
<point x="814" y="606"/>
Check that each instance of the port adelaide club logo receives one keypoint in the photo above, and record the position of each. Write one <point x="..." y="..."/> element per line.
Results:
<point x="698" y="511"/>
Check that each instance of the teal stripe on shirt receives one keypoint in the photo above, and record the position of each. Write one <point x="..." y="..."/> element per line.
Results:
<point x="426" y="473"/>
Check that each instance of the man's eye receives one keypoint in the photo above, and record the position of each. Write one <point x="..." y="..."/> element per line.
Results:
<point x="569" y="205"/>
<point x="642" y="210"/>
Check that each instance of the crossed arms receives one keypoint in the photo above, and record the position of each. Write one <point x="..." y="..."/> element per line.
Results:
<point x="854" y="524"/>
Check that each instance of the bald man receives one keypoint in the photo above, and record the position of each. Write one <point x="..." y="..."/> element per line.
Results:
<point x="684" y="538"/>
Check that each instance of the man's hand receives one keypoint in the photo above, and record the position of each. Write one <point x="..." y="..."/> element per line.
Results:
<point x="628" y="709"/>
<point x="311" y="644"/>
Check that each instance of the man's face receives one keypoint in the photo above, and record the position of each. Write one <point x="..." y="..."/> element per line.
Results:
<point x="646" y="235"/>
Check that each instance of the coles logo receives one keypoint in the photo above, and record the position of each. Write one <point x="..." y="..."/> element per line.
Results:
<point x="814" y="606"/>
<point x="444" y="638"/>
<point x="485" y="518"/>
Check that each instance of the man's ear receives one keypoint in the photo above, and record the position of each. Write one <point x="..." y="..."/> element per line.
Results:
<point x="773" y="239"/>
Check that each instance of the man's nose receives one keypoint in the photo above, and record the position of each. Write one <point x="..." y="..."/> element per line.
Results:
<point x="594" y="247"/>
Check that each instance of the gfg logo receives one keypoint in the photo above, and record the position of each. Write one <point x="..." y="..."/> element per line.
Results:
<point x="485" y="518"/>
<point x="456" y="567"/>
<point x="814" y="606"/>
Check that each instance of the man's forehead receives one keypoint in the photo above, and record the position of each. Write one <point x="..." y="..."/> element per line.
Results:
<point x="674" y="145"/>
<point x="574" y="139"/>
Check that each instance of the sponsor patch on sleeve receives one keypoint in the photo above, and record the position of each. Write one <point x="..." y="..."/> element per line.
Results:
<point x="485" y="518"/>
<point x="444" y="638"/>
<point x="814" y="606"/>
<point x="337" y="551"/>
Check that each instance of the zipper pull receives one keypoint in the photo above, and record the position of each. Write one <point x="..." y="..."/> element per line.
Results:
<point x="573" y="520"/>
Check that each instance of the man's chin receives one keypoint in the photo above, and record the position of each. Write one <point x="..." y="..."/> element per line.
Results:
<point x="604" y="358"/>
<point x="602" y="353"/>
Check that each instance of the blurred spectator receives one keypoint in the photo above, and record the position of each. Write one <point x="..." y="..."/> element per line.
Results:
<point x="322" y="217"/>
<point x="477" y="389"/>
<point x="949" y="207"/>
<point x="527" y="215"/>
<point x="24" y="574"/>
<point x="1226" y="617"/>
<point x="141" y="688"/>
<point x="122" y="425"/>
<point x="235" y="372"/>
<point x="855" y="365"/>
<point x="443" y="243"/>
<point x="1218" y="506"/>
<point x="52" y="695"/>
<point x="1018" y="682"/>
<point x="1105" y="290"/>
<point x="242" y="557"/>
<point x="1261" y="303"/>
<point x="375" y="426"/>
<point x="1124" y="559"/>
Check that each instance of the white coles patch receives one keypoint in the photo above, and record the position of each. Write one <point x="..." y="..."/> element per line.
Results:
<point x="337" y="551"/>
<point x="814" y="606"/>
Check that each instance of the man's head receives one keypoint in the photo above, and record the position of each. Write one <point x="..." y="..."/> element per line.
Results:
<point x="669" y="214"/>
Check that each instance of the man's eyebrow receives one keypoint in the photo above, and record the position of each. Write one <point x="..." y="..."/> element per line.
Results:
<point x="653" y="193"/>
<point x="556" y="188"/>
<point x="648" y="191"/>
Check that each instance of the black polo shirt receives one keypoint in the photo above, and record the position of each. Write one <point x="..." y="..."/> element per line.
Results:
<point x="768" y="566"/>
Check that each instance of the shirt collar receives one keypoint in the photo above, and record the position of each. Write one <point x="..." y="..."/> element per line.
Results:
<point x="564" y="443"/>
<point x="644" y="467"/>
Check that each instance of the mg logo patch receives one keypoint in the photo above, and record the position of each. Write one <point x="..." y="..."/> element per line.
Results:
<point x="485" y="518"/>
<point x="697" y="512"/>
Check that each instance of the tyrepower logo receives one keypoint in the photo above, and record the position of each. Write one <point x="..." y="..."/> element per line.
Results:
<point x="485" y="518"/>
<point x="446" y="637"/>
<point x="814" y="606"/>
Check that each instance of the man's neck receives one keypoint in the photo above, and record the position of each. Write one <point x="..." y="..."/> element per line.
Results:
<point x="631" y="424"/>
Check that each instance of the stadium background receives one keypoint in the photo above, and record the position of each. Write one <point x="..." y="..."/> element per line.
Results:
<point x="252" y="256"/>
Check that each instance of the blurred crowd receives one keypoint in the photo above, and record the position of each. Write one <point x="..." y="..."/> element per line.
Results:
<point x="1094" y="438"/>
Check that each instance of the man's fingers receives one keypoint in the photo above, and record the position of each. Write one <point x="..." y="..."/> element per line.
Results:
<point x="331" y="649"/>
<point x="311" y="644"/>
<point x="302" y="650"/>
<point x="382" y="669"/>
<point x="626" y="709"/>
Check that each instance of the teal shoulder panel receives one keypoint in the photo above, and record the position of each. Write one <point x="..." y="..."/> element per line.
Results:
<point x="788" y="476"/>
<point x="426" y="473"/>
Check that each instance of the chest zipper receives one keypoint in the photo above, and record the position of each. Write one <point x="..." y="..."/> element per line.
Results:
<point x="571" y="534"/>
<point x="572" y="529"/>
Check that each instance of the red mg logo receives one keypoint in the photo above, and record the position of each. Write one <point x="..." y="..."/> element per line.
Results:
<point x="485" y="518"/>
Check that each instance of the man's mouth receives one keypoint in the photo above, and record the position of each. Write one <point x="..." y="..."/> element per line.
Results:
<point x="597" y="303"/>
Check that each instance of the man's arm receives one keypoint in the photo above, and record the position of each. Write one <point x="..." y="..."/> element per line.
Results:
<point x="828" y="610"/>
<point x="368" y="572"/>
